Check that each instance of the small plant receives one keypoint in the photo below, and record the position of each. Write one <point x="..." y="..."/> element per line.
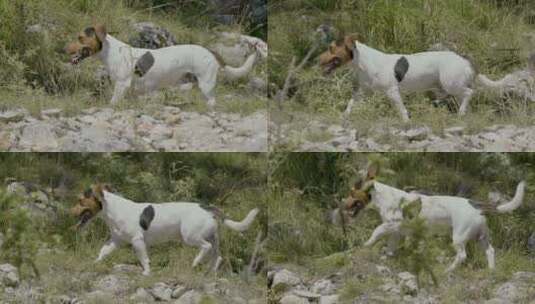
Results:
<point x="19" y="246"/>
<point x="414" y="251"/>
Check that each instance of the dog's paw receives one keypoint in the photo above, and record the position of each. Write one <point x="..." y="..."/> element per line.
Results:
<point x="146" y="273"/>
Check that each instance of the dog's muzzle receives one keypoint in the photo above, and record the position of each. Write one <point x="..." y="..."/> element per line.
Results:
<point x="82" y="54"/>
<point x="330" y="66"/>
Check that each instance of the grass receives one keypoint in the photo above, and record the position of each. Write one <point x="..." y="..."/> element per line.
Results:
<point x="480" y="30"/>
<point x="36" y="75"/>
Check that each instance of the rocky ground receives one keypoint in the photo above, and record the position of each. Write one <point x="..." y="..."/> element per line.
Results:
<point x="318" y="136"/>
<point x="106" y="129"/>
<point x="120" y="285"/>
<point x="376" y="283"/>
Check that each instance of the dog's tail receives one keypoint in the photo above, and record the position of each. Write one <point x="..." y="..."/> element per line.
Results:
<point x="485" y="81"/>
<point x="516" y="201"/>
<point x="244" y="224"/>
<point x="232" y="73"/>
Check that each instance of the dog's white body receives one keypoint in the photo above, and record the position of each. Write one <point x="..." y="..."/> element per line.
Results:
<point x="466" y="222"/>
<point x="188" y="222"/>
<point x="171" y="64"/>
<point x="444" y="73"/>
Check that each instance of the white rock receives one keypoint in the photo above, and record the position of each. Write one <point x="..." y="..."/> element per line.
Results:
<point x="39" y="136"/>
<point x="12" y="116"/>
<point x="141" y="295"/>
<point x="161" y="292"/>
<point x="178" y="291"/>
<point x="323" y="287"/>
<point x="332" y="299"/>
<point x="189" y="297"/>
<point x="293" y="299"/>
<point x="9" y="275"/>
<point x="306" y="294"/>
<point x="416" y="134"/>
<point x="285" y="277"/>
<point x="55" y="113"/>
<point x="455" y="131"/>
<point x="408" y="283"/>
<point x="113" y="284"/>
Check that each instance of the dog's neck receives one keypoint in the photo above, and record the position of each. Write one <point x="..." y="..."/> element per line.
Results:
<point x="113" y="206"/>
<point x="367" y="58"/>
<point x="110" y="55"/>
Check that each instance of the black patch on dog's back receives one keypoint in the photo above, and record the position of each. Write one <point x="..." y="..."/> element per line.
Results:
<point x="143" y="64"/>
<point x="146" y="217"/>
<point x="401" y="68"/>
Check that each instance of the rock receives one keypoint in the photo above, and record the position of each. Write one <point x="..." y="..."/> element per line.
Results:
<point x="141" y="294"/>
<point x="54" y="113"/>
<point x="39" y="137"/>
<point x="383" y="270"/>
<point x="125" y="268"/>
<point x="293" y="299"/>
<point x="113" y="284"/>
<point x="189" y="297"/>
<point x="454" y="131"/>
<point x="332" y="299"/>
<point x="12" y="116"/>
<point x="98" y="295"/>
<point x="323" y="287"/>
<point x="286" y="278"/>
<point x="178" y="291"/>
<point x="520" y="287"/>
<point x="151" y="36"/>
<point x="161" y="292"/>
<point x="408" y="283"/>
<point x="306" y="294"/>
<point x="9" y="275"/>
<point x="416" y="134"/>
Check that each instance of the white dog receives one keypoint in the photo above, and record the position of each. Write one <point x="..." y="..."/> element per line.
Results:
<point x="465" y="217"/>
<point x="148" y="70"/>
<point x="145" y="224"/>
<point x="444" y="73"/>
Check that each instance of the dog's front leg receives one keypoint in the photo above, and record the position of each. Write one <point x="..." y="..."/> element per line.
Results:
<point x="120" y="89"/>
<point x="356" y="95"/>
<point x="108" y="248"/>
<point x="141" y="252"/>
<point x="382" y="230"/>
<point x="395" y="97"/>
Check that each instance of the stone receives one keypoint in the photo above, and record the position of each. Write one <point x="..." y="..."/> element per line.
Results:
<point x="416" y="134"/>
<point x="408" y="283"/>
<point x="151" y="36"/>
<point x="125" y="268"/>
<point x="178" y="291"/>
<point x="454" y="131"/>
<point x="12" y="116"/>
<point x="189" y="297"/>
<point x="39" y="136"/>
<point x="113" y="284"/>
<point x="54" y="113"/>
<point x="323" y="287"/>
<point x="9" y="275"/>
<point x="141" y="294"/>
<point x="332" y="299"/>
<point x="293" y="299"/>
<point x="161" y="292"/>
<point x="285" y="277"/>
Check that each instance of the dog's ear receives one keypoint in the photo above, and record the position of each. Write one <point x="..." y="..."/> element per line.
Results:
<point x="332" y="47"/>
<point x="349" y="42"/>
<point x="101" y="32"/>
<point x="97" y="191"/>
<point x="373" y="170"/>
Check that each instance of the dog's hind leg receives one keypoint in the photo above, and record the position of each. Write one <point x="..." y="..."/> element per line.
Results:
<point x="465" y="97"/>
<point x="397" y="101"/>
<point x="459" y="257"/>
<point x="484" y="241"/>
<point x="207" y="83"/>
<point x="216" y="255"/>
<point x="108" y="248"/>
<point x="205" y="248"/>
<point x="141" y="252"/>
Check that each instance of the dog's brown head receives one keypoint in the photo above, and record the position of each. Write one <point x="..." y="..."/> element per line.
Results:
<point x="89" y="43"/>
<point x="339" y="53"/>
<point x="359" y="196"/>
<point x="89" y="204"/>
